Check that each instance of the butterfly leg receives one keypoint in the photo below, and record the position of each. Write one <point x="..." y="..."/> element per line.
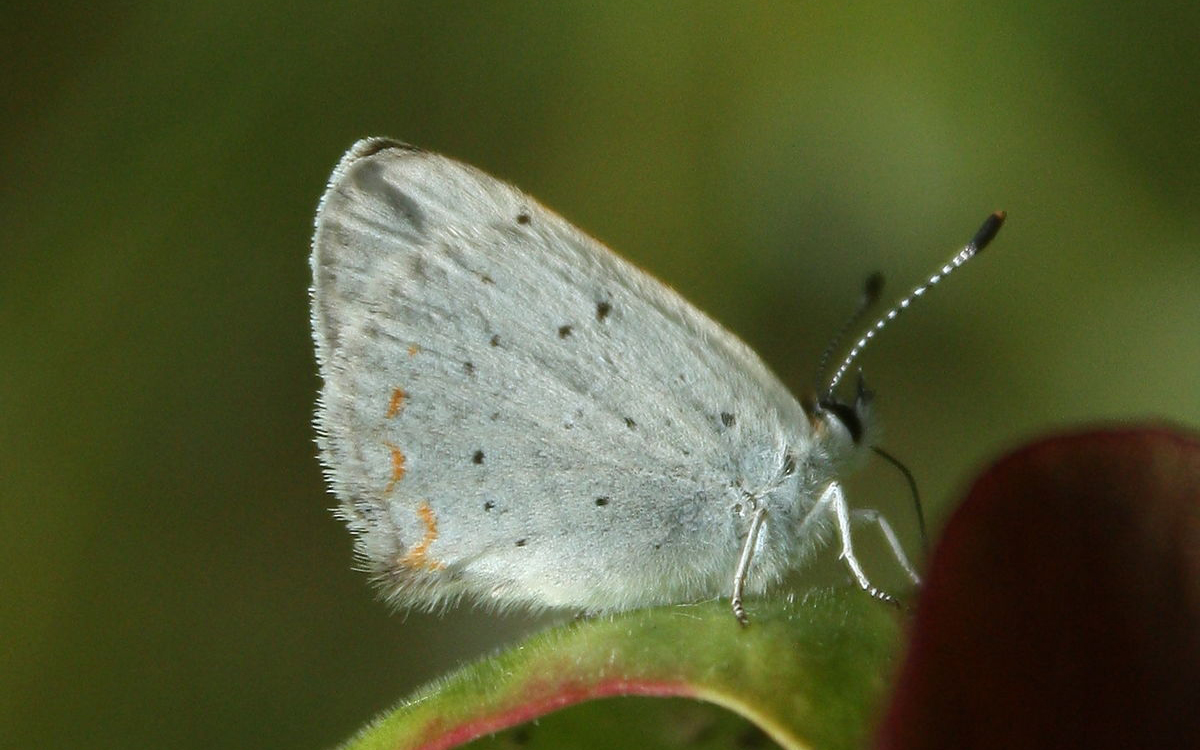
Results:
<point x="874" y="516"/>
<point x="836" y="500"/>
<point x="743" y="568"/>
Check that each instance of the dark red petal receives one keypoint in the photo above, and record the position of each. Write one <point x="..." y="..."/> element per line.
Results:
<point x="1062" y="606"/>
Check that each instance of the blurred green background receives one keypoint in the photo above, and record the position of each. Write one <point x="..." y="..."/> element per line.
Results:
<point x="169" y="573"/>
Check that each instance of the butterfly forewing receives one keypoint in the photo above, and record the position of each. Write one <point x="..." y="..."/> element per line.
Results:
<point x="511" y="411"/>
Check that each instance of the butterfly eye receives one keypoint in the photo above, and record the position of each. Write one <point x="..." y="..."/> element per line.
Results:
<point x="847" y="415"/>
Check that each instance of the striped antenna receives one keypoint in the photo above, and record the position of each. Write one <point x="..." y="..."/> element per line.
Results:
<point x="986" y="232"/>
<point x="870" y="295"/>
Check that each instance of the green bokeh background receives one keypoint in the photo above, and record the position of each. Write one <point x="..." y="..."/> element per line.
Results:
<point x="169" y="573"/>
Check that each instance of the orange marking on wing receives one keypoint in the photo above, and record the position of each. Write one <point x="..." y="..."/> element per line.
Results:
<point x="417" y="556"/>
<point x="397" y="403"/>
<point x="398" y="469"/>
<point x="413" y="349"/>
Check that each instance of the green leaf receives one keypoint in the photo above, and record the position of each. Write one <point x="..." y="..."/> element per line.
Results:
<point x="809" y="671"/>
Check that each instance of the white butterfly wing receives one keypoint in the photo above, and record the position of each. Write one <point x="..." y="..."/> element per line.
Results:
<point x="511" y="411"/>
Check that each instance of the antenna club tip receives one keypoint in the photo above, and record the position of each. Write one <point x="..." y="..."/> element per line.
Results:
<point x="987" y="232"/>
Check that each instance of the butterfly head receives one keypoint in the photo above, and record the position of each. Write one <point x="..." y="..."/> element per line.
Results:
<point x="845" y="426"/>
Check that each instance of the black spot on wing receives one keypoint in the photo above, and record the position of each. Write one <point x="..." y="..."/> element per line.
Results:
<point x="477" y="458"/>
<point x="495" y="340"/>
<point x="602" y="501"/>
<point x="523" y="218"/>
<point x="630" y="423"/>
<point x="521" y="542"/>
<point x="728" y="419"/>
<point x="602" y="310"/>
<point x="565" y="331"/>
